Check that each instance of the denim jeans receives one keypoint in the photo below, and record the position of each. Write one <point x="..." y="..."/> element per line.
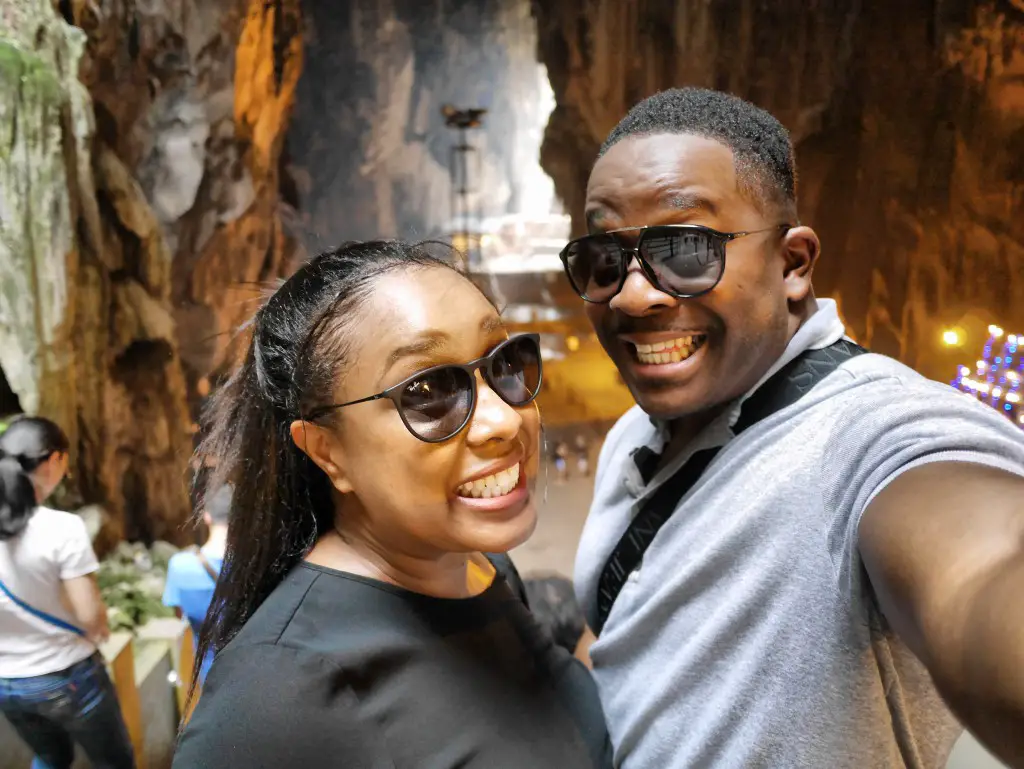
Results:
<point x="54" y="711"/>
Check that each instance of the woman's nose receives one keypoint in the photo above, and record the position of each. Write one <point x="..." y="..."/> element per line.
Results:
<point x="493" y="419"/>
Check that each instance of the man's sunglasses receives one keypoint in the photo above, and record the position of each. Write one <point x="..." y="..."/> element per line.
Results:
<point x="681" y="260"/>
<point x="437" y="403"/>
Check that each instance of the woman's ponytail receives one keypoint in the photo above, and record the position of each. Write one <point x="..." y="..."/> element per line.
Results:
<point x="24" y="446"/>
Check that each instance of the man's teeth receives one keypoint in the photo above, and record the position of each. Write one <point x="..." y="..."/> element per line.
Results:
<point x="497" y="485"/>
<point x="670" y="351"/>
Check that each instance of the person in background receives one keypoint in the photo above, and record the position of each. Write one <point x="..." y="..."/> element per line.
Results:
<point x="192" y="574"/>
<point x="553" y="602"/>
<point x="561" y="459"/>
<point x="582" y="456"/>
<point x="54" y="688"/>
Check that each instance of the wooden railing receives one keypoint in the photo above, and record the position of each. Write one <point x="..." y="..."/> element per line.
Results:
<point x="131" y="658"/>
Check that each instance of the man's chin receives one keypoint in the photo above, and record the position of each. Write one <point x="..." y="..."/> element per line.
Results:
<point x="667" y="403"/>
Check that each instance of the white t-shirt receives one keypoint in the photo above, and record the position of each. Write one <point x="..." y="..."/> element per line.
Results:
<point x="54" y="546"/>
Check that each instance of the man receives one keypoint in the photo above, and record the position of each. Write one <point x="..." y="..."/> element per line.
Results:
<point x="192" y="574"/>
<point x="833" y="554"/>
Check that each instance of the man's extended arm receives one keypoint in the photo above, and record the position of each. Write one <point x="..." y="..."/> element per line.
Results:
<point x="943" y="545"/>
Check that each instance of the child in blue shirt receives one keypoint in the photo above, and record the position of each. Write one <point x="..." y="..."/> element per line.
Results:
<point x="192" y="574"/>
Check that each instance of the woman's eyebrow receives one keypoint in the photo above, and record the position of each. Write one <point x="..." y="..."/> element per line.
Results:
<point x="426" y="343"/>
<point x="432" y="342"/>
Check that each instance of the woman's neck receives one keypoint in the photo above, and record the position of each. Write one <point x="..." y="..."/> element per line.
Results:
<point x="442" y="576"/>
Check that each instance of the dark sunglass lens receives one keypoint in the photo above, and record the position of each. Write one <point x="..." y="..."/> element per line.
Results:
<point x="515" y="372"/>
<point x="436" y="405"/>
<point x="684" y="261"/>
<point x="594" y="266"/>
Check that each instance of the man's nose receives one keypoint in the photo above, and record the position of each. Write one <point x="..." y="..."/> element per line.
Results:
<point x="640" y="297"/>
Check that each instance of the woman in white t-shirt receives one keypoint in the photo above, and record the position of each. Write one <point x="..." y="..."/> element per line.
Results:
<point x="54" y="688"/>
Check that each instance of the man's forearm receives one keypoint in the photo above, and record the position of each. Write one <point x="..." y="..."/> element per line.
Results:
<point x="979" y="666"/>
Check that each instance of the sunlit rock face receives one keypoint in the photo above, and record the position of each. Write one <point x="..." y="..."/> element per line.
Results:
<point x="148" y="194"/>
<point x="368" y="151"/>
<point x="909" y="124"/>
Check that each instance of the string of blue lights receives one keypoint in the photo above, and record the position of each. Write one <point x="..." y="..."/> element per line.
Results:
<point x="997" y="381"/>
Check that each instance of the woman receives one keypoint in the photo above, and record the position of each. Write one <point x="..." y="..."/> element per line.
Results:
<point x="54" y="688"/>
<point x="381" y="437"/>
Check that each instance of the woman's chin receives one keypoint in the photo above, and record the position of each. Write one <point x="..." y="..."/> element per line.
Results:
<point x="500" y="535"/>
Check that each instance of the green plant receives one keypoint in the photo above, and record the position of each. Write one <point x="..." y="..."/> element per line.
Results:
<point x="131" y="580"/>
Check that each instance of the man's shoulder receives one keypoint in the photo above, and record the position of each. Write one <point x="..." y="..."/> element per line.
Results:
<point x="883" y="410"/>
<point x="876" y="380"/>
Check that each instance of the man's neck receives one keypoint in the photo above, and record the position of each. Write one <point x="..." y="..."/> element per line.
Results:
<point x="682" y="431"/>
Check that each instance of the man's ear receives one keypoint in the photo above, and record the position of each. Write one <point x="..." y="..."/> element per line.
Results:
<point x="319" y="445"/>
<point x="800" y="250"/>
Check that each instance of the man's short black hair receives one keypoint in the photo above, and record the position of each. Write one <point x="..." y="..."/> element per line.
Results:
<point x="761" y="146"/>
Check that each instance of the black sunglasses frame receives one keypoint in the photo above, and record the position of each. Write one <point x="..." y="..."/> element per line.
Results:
<point x="626" y="255"/>
<point x="394" y="393"/>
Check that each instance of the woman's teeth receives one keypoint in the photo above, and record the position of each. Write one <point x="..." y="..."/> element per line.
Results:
<point x="670" y="351"/>
<point x="497" y="485"/>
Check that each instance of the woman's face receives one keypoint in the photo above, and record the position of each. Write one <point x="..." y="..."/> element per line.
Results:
<point x="400" y="491"/>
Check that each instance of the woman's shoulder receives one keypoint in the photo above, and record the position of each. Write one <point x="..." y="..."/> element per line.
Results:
<point x="271" y="705"/>
<point x="57" y="521"/>
<point x="324" y="612"/>
<point x="54" y="531"/>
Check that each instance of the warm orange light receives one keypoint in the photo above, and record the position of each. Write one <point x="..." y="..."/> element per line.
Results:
<point x="951" y="338"/>
<point x="573" y="343"/>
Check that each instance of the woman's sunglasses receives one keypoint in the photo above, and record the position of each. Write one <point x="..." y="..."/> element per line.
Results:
<point x="681" y="260"/>
<point x="436" y="404"/>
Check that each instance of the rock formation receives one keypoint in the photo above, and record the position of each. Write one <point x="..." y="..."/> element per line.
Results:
<point x="909" y="124"/>
<point x="139" y="194"/>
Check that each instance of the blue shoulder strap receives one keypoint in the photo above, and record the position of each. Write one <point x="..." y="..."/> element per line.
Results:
<point x="57" y="621"/>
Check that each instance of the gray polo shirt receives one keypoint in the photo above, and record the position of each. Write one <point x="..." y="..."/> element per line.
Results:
<point x="750" y="636"/>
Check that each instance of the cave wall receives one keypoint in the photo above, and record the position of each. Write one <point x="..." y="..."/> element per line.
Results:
<point x="908" y="119"/>
<point x="140" y="213"/>
<point x="368" y="152"/>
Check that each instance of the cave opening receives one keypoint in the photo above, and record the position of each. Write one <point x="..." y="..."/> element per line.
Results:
<point x="368" y="153"/>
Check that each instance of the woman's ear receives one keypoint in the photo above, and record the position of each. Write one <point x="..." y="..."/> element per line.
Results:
<point x="57" y="467"/>
<point x="322" y="447"/>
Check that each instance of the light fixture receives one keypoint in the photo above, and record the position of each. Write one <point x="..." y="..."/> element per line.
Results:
<point x="951" y="337"/>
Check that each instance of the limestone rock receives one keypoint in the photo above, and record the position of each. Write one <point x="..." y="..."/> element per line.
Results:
<point x="909" y="125"/>
<point x="142" y="158"/>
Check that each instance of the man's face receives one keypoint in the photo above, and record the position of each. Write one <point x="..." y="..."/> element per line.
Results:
<point x="740" y="327"/>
